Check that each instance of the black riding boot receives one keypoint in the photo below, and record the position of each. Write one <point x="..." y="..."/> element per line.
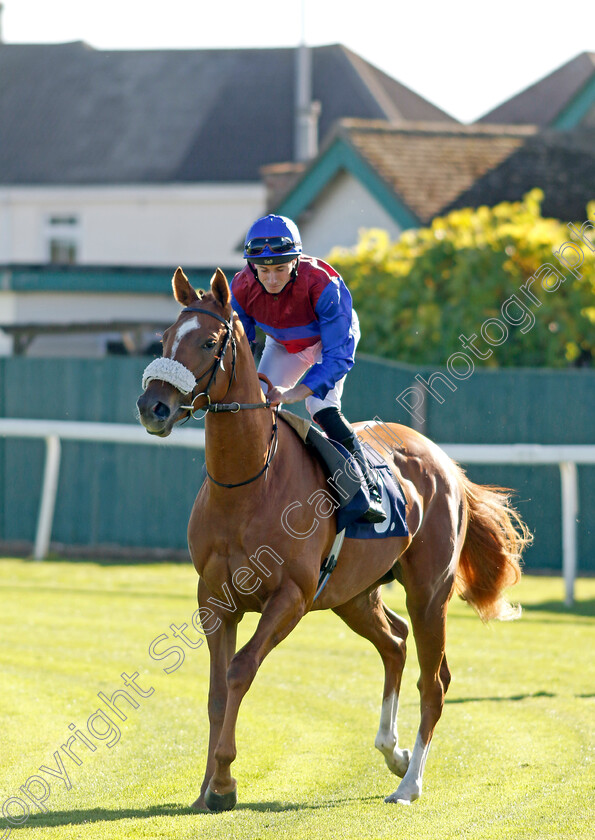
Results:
<point x="375" y="512"/>
<point x="337" y="428"/>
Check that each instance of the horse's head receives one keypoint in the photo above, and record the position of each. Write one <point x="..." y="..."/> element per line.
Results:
<point x="198" y="357"/>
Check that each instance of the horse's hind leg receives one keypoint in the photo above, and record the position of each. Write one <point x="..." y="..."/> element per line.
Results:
<point x="427" y="609"/>
<point x="387" y="739"/>
<point x="370" y="618"/>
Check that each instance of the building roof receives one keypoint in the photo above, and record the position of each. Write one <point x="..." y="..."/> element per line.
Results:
<point x="71" y="114"/>
<point x="413" y="170"/>
<point x="561" y="163"/>
<point x="570" y="88"/>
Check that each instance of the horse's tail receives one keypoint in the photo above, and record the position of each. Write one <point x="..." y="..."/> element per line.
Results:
<point x="490" y="559"/>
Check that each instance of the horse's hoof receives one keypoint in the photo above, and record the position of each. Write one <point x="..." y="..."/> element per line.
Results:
<point x="393" y="799"/>
<point x="199" y="805"/>
<point x="221" y="801"/>
<point x="403" y="795"/>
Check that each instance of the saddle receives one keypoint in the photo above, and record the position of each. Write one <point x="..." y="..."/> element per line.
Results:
<point x="345" y="481"/>
<point x="349" y="490"/>
<point x="349" y="493"/>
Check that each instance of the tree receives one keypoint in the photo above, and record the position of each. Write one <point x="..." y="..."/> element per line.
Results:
<point x="417" y="296"/>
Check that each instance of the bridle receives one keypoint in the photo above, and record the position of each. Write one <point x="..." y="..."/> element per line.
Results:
<point x="228" y="339"/>
<point x="219" y="407"/>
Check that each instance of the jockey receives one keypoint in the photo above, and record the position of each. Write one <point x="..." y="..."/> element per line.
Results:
<point x="304" y="308"/>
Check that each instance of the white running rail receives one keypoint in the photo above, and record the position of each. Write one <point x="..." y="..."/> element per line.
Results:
<point x="53" y="431"/>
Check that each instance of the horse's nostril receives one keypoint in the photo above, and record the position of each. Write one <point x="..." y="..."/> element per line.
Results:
<point x="161" y="411"/>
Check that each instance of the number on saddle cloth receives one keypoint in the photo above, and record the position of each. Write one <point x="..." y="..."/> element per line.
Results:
<point x="393" y="502"/>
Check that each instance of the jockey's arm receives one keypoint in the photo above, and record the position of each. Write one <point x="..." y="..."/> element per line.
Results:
<point x="287" y="396"/>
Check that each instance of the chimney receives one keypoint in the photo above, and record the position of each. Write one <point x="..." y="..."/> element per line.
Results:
<point x="307" y="112"/>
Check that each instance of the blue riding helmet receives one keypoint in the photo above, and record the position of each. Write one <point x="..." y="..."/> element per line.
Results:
<point x="272" y="240"/>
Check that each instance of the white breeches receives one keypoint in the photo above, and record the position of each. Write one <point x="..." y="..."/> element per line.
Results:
<point x="286" y="369"/>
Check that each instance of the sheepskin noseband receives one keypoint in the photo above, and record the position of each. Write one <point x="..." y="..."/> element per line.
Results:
<point x="168" y="370"/>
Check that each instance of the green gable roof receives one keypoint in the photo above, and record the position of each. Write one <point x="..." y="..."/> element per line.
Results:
<point x="573" y="114"/>
<point x="340" y="156"/>
<point x="559" y="100"/>
<point x="412" y="170"/>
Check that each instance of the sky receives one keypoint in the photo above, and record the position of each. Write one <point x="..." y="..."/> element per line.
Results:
<point x="464" y="56"/>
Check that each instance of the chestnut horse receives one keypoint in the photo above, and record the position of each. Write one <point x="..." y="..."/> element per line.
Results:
<point x="260" y="478"/>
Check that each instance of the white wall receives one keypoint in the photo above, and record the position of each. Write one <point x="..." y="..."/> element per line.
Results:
<point x="339" y="213"/>
<point x="73" y="308"/>
<point x="166" y="225"/>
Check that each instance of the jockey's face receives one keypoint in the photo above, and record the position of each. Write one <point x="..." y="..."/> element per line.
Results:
<point x="275" y="277"/>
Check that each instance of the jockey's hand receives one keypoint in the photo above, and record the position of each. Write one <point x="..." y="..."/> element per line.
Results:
<point x="287" y="396"/>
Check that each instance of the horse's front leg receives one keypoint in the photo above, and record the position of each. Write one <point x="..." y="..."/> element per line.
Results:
<point x="282" y="612"/>
<point x="222" y="646"/>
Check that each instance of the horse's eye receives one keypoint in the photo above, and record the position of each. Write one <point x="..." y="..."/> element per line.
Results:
<point x="209" y="343"/>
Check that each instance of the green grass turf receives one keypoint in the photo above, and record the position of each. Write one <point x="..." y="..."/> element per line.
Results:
<point x="512" y="756"/>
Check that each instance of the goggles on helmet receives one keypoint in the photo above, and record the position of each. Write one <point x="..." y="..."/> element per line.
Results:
<point x="275" y="244"/>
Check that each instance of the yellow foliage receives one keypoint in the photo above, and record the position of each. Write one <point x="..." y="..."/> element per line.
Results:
<point x="439" y="282"/>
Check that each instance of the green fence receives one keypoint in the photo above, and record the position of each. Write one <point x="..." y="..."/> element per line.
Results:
<point x="501" y="406"/>
<point x="109" y="494"/>
<point x="140" y="497"/>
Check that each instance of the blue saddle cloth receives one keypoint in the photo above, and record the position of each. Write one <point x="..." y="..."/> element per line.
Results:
<point x="393" y="502"/>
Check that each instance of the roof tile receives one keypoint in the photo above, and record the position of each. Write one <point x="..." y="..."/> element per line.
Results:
<point x="429" y="165"/>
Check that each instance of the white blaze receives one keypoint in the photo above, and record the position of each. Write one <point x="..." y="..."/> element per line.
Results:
<point x="183" y="329"/>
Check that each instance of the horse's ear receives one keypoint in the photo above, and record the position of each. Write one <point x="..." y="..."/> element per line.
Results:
<point x="220" y="288"/>
<point x="183" y="291"/>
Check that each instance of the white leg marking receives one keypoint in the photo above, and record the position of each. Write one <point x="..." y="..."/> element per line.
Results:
<point x="410" y="788"/>
<point x="183" y="329"/>
<point x="387" y="739"/>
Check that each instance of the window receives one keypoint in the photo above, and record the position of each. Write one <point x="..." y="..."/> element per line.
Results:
<point x="63" y="239"/>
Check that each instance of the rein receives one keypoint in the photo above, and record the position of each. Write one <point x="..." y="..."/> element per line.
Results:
<point x="170" y="372"/>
